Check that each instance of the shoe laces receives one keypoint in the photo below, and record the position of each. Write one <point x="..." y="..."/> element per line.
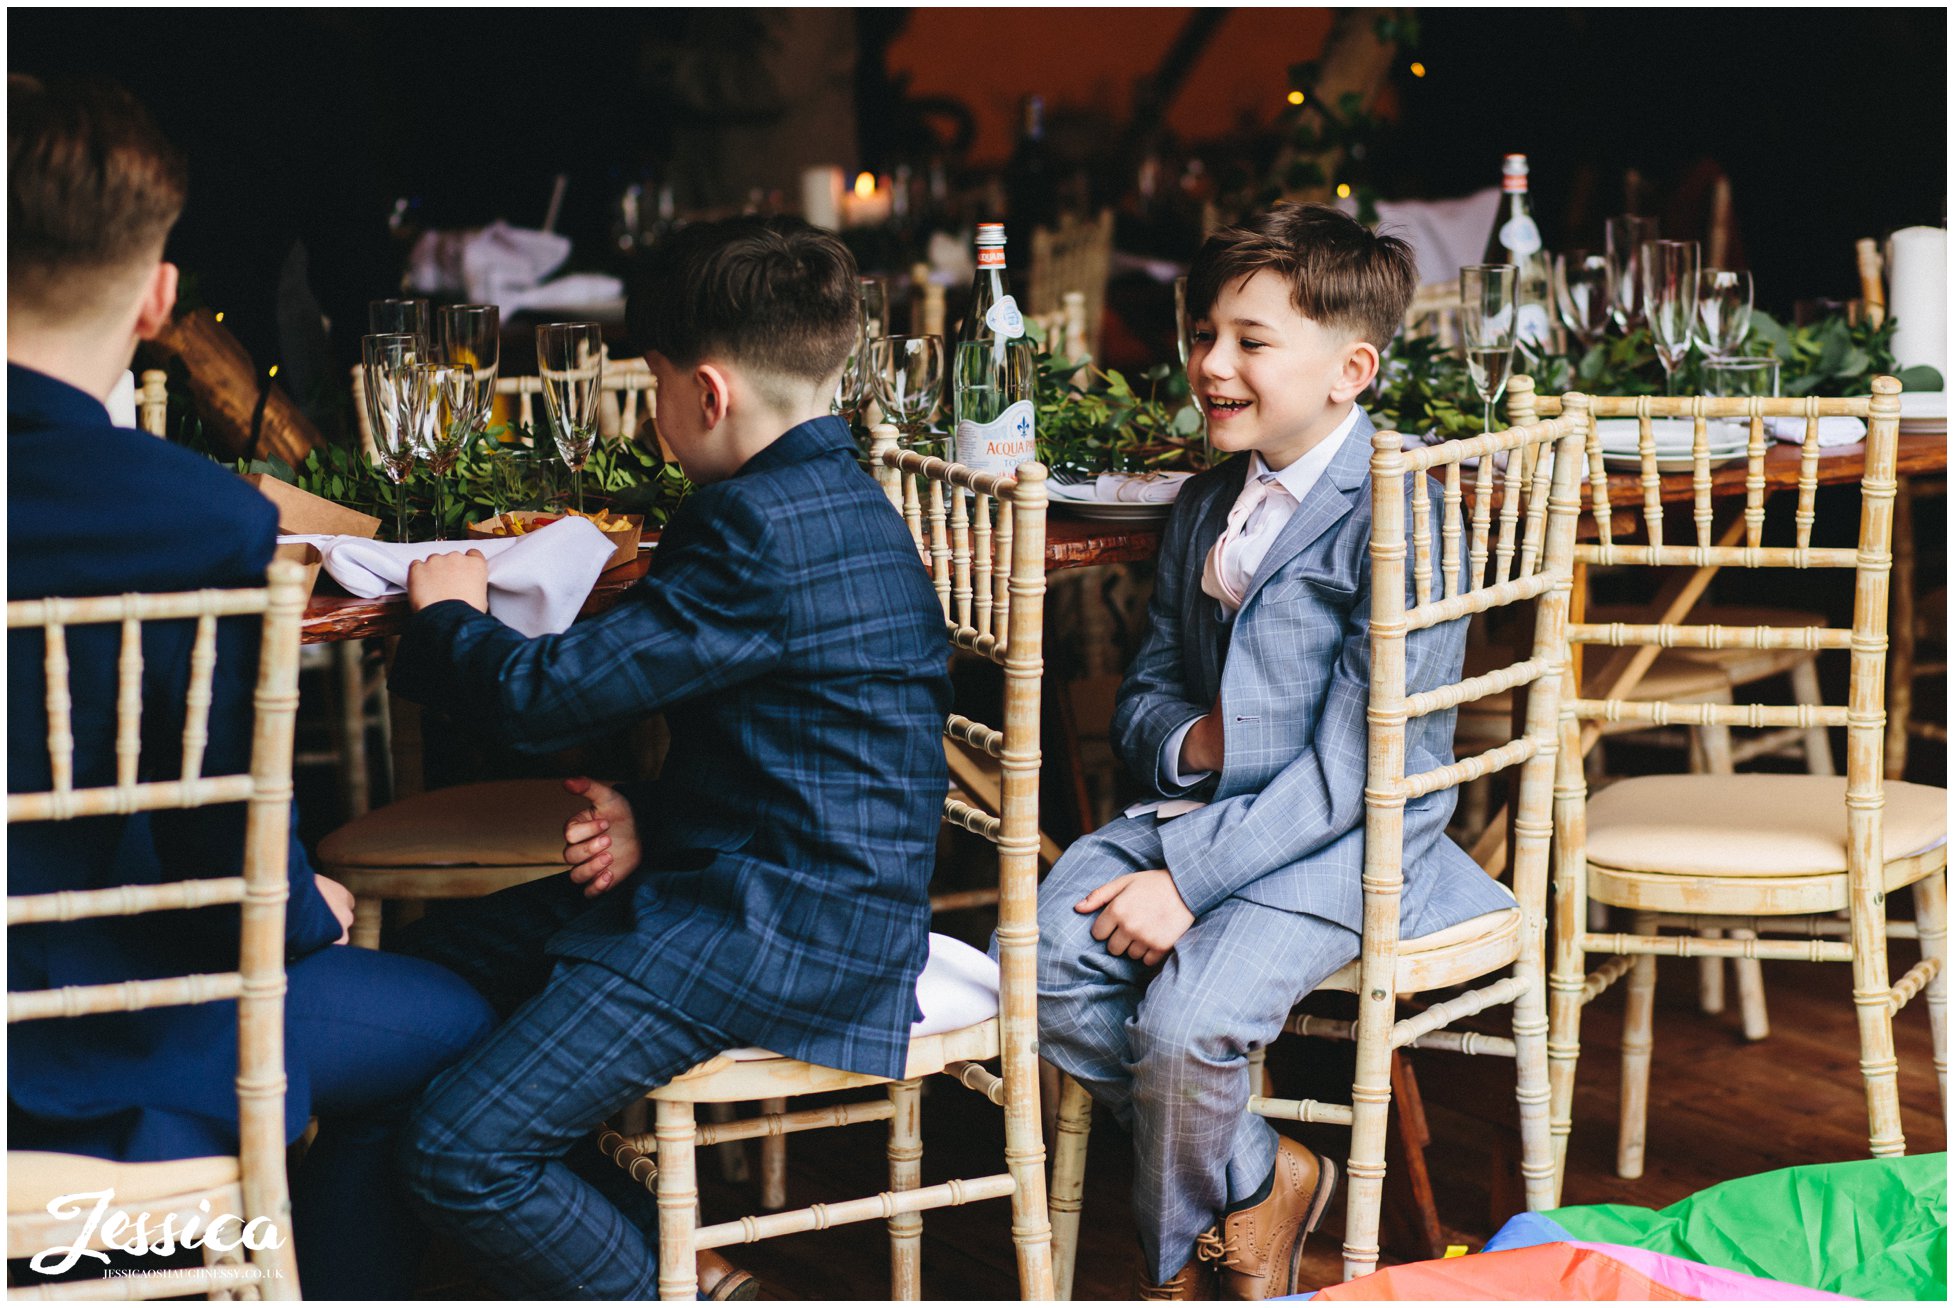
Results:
<point x="1209" y="1247"/>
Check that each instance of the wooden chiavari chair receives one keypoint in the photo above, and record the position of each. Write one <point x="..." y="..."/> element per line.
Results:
<point x="1729" y="860"/>
<point x="983" y="538"/>
<point x="1530" y="559"/>
<point x="250" y="1185"/>
<point x="1077" y="255"/>
<point x="1434" y="312"/>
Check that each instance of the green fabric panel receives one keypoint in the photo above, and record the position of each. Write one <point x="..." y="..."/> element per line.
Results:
<point x="1875" y="1229"/>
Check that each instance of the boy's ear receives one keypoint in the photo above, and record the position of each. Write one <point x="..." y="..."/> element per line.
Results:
<point x="715" y="393"/>
<point x="1360" y="364"/>
<point x="158" y="298"/>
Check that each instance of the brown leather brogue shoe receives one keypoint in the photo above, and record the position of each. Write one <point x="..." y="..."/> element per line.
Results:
<point x="1261" y="1246"/>
<point x="1194" y="1281"/>
<point x="719" y="1279"/>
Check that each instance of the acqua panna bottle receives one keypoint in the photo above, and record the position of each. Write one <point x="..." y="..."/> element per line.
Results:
<point x="1516" y="240"/>
<point x="992" y="374"/>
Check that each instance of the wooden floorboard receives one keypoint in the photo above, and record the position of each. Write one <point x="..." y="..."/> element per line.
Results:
<point x="1721" y="1107"/>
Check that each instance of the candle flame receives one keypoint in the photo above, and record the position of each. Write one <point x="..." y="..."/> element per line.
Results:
<point x="864" y="185"/>
<point x="220" y="315"/>
<point x="1343" y="190"/>
<point x="1295" y="97"/>
<point x="273" y="372"/>
<point x="1417" y="69"/>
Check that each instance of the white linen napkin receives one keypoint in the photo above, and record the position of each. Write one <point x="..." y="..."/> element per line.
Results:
<point x="958" y="988"/>
<point x="1124" y="488"/>
<point x="536" y="581"/>
<point x="121" y="402"/>
<point x="1832" y="432"/>
<point x="1916" y="296"/>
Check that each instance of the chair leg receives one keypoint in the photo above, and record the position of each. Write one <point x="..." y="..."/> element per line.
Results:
<point x="1564" y="1004"/>
<point x="1031" y="1214"/>
<point x="1531" y="1094"/>
<point x="367" y="912"/>
<point x="1370" y="1122"/>
<point x="1930" y="915"/>
<point x="349" y="665"/>
<point x="1750" y="991"/>
<point x="1638" y="1039"/>
<point x="1709" y="978"/>
<point x="773" y="1162"/>
<point x="678" y="1196"/>
<point x="733" y="1165"/>
<point x="1069" y="1180"/>
<point x="905" y="1173"/>
<point x="1818" y="741"/>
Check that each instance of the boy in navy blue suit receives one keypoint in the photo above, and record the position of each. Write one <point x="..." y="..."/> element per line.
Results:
<point x="771" y="888"/>
<point x="93" y="190"/>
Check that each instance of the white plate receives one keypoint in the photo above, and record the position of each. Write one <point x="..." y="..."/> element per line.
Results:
<point x="1113" y="511"/>
<point x="1674" y="437"/>
<point x="1918" y="405"/>
<point x="1668" y="463"/>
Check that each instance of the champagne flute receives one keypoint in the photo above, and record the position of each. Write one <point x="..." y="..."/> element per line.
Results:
<point x="1669" y="285"/>
<point x="393" y="406"/>
<point x="1626" y="236"/>
<point x="875" y="307"/>
<point x="1723" y="304"/>
<point x="1581" y="294"/>
<point x="908" y="375"/>
<point x="570" y="361"/>
<point x="386" y="317"/>
<point x="1741" y="378"/>
<point x="471" y="337"/>
<point x="1183" y="338"/>
<point x="1488" y="318"/>
<point x="453" y="407"/>
<point x="851" y="388"/>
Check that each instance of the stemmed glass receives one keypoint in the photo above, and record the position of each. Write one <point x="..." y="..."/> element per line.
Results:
<point x="1669" y="284"/>
<point x="396" y="398"/>
<point x="1723" y="304"/>
<point x="908" y="373"/>
<point x="570" y="361"/>
<point x="389" y="317"/>
<point x="1488" y="317"/>
<point x="875" y="307"/>
<point x="471" y="337"/>
<point x="1627" y="235"/>
<point x="1183" y="341"/>
<point x="453" y="407"/>
<point x="1581" y="282"/>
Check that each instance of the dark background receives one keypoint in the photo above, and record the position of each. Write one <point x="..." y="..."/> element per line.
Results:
<point x="309" y="125"/>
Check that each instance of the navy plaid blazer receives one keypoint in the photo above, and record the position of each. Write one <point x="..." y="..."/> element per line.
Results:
<point x="792" y="637"/>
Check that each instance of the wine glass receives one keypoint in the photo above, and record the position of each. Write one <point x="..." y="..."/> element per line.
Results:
<point x="388" y="317"/>
<point x="570" y="361"/>
<point x="395" y="400"/>
<point x="875" y="307"/>
<point x="1723" y="304"/>
<point x="1183" y="338"/>
<point x="908" y="375"/>
<point x="1669" y="284"/>
<point x="1741" y="378"/>
<point x="471" y="337"/>
<point x="1627" y="234"/>
<point x="1488" y="318"/>
<point x="453" y="407"/>
<point x="852" y="388"/>
<point x="1581" y="294"/>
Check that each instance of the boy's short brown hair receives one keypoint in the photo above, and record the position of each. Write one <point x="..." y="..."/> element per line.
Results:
<point x="774" y="294"/>
<point x="1340" y="272"/>
<point x="93" y="189"/>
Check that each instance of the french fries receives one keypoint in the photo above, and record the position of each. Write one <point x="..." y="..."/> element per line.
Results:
<point x="604" y="520"/>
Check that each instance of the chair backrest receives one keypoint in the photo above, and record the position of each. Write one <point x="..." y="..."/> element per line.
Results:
<point x="1066" y="333"/>
<point x="1434" y="311"/>
<point x="258" y="984"/>
<point x="1863" y="715"/>
<point x="1077" y="255"/>
<point x="153" y="402"/>
<point x="629" y="400"/>
<point x="983" y="539"/>
<point x="1538" y="503"/>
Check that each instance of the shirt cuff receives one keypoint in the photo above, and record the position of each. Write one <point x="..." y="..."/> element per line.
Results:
<point x="1170" y="758"/>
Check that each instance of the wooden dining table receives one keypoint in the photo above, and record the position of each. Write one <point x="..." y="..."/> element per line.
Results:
<point x="1074" y="542"/>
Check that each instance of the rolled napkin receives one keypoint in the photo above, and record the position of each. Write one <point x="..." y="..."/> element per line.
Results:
<point x="1916" y="297"/>
<point x="1832" y="432"/>
<point x="597" y="294"/>
<point x="536" y="581"/>
<point x="1124" y="488"/>
<point x="121" y="402"/>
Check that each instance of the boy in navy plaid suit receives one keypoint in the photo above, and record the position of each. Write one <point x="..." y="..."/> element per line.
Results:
<point x="771" y="888"/>
<point x="1175" y="940"/>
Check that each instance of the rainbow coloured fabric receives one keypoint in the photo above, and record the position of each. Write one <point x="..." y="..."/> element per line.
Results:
<point x="1875" y="1229"/>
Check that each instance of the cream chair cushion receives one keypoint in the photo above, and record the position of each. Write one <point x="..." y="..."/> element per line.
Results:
<point x="33" y="1178"/>
<point x="489" y="824"/>
<point x="1752" y="824"/>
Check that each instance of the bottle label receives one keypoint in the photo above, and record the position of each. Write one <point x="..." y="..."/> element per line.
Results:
<point x="998" y="447"/>
<point x="1520" y="235"/>
<point x="1512" y="183"/>
<point x="1533" y="327"/>
<point x="989" y="256"/>
<point x="1004" y="318"/>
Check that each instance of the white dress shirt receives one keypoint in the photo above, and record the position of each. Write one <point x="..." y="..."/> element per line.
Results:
<point x="1239" y="561"/>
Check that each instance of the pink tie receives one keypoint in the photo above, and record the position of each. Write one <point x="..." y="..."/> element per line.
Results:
<point x="1215" y="579"/>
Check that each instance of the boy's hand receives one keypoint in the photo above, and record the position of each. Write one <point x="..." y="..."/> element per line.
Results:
<point x="1141" y="915"/>
<point x="340" y="900"/>
<point x="1201" y="747"/>
<point x="600" y="843"/>
<point x="453" y="575"/>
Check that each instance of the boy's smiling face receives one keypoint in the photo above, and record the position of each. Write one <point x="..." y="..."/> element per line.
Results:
<point x="1268" y="378"/>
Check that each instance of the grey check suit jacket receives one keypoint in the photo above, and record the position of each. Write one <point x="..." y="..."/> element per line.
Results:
<point x="1284" y="825"/>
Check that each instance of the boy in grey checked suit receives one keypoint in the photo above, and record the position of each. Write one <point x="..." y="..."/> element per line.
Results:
<point x="771" y="887"/>
<point x="1177" y="939"/>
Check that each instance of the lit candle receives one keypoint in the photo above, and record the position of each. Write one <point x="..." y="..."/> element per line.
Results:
<point x="821" y="195"/>
<point x="870" y="204"/>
